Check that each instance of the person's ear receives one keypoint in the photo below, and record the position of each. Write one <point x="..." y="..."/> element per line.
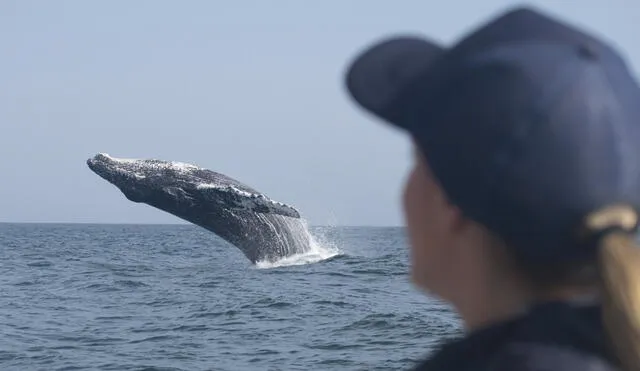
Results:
<point x="457" y="221"/>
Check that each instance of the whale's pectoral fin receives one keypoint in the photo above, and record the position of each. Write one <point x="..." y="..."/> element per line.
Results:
<point x="234" y="199"/>
<point x="261" y="204"/>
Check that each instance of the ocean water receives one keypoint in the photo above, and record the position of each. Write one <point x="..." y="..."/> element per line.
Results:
<point x="176" y="297"/>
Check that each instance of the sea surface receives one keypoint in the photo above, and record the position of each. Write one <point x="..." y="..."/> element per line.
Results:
<point x="176" y="297"/>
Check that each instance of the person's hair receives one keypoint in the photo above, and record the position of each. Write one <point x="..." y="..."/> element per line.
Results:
<point x="619" y="263"/>
<point x="617" y="273"/>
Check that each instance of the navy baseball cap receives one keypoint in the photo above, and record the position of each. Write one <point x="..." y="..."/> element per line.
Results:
<point x="528" y="124"/>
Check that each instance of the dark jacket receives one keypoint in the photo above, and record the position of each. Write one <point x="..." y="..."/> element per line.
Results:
<point x="551" y="337"/>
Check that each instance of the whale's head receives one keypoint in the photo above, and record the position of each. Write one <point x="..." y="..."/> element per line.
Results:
<point x="138" y="179"/>
<point x="178" y="187"/>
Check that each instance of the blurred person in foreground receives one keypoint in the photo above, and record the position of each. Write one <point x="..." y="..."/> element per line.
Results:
<point x="522" y="205"/>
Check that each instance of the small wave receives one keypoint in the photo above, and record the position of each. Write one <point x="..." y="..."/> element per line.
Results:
<point x="152" y="339"/>
<point x="40" y="264"/>
<point x="131" y="283"/>
<point x="334" y="303"/>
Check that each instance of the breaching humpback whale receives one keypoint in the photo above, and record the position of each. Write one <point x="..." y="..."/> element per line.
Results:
<point x="263" y="229"/>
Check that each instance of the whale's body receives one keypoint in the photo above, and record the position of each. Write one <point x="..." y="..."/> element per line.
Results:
<point x="263" y="229"/>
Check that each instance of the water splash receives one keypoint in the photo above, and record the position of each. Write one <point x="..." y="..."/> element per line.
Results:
<point x="320" y="249"/>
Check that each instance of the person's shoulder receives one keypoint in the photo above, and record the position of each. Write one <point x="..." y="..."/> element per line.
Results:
<point x="527" y="356"/>
<point x="553" y="337"/>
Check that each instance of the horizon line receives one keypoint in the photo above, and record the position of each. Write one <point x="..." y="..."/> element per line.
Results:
<point x="186" y="224"/>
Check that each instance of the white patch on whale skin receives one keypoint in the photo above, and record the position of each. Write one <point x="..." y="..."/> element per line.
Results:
<point x="120" y="160"/>
<point x="153" y="164"/>
<point x="126" y="173"/>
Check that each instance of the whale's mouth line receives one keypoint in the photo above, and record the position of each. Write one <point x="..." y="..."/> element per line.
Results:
<point x="127" y="173"/>
<point x="111" y="171"/>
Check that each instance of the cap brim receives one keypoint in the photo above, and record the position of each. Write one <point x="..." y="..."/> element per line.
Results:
<point x="381" y="72"/>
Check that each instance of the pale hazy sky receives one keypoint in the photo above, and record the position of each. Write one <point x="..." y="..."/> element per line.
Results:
<point x="252" y="89"/>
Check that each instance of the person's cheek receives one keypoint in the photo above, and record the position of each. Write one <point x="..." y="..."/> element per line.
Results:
<point x="415" y="230"/>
